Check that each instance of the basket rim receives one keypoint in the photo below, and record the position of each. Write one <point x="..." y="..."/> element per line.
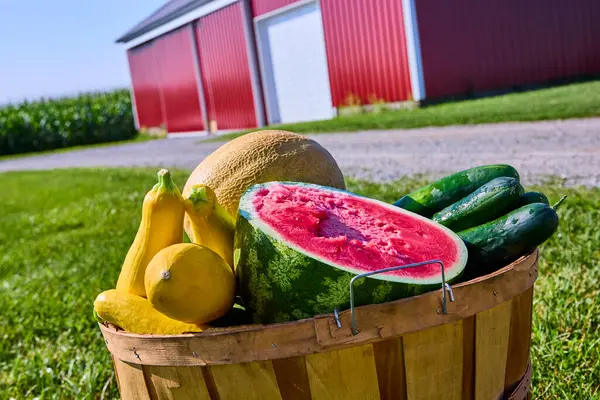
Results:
<point x="377" y="322"/>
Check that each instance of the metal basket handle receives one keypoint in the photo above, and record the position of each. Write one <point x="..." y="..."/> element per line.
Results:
<point x="445" y="287"/>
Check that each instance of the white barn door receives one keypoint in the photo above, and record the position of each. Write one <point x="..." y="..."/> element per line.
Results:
<point x="294" y="65"/>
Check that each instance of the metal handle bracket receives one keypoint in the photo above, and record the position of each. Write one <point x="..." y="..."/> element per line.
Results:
<point x="445" y="288"/>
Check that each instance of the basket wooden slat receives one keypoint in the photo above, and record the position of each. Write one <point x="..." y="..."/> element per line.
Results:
<point x="253" y="381"/>
<point x="405" y="350"/>
<point x="438" y="349"/>
<point x="519" y="341"/>
<point x="491" y="346"/>
<point x="468" y="377"/>
<point x="391" y="371"/>
<point x="131" y="380"/>
<point x="175" y="382"/>
<point x="292" y="378"/>
<point x="343" y="374"/>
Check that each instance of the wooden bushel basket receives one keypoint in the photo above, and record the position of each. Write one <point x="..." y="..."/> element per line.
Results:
<point x="405" y="349"/>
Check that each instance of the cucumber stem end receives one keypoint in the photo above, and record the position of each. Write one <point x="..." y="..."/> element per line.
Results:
<point x="558" y="203"/>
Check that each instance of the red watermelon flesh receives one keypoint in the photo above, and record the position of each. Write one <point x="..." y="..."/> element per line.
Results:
<point x="355" y="232"/>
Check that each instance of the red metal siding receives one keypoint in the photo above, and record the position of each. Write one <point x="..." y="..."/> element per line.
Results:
<point x="225" y="69"/>
<point x="260" y="7"/>
<point x="366" y="50"/>
<point x="486" y="45"/>
<point x="146" y="90"/>
<point x="181" y="102"/>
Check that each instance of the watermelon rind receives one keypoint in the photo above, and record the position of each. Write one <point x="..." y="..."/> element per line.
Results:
<point x="280" y="281"/>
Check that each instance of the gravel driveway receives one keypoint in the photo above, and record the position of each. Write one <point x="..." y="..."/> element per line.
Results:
<point x="566" y="149"/>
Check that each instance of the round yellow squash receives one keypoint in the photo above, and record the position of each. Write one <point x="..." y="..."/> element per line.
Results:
<point x="263" y="156"/>
<point x="190" y="283"/>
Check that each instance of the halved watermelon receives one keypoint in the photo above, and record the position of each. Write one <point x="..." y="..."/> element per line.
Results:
<point x="298" y="245"/>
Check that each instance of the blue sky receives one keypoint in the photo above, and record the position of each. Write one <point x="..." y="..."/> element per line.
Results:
<point x="56" y="47"/>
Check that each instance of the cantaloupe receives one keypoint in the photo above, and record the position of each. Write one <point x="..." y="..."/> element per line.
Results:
<point x="264" y="156"/>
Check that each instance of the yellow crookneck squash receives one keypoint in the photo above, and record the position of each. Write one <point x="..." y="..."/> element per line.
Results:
<point x="211" y="225"/>
<point x="163" y="211"/>
<point x="136" y="315"/>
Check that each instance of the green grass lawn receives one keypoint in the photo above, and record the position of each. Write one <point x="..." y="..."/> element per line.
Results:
<point x="571" y="101"/>
<point x="63" y="235"/>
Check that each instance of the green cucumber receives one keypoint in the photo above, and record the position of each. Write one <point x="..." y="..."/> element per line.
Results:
<point x="489" y="202"/>
<point x="533" y="197"/>
<point x="504" y="240"/>
<point x="430" y="199"/>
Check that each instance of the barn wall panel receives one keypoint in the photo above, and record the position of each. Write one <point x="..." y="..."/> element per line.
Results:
<point x="146" y="87"/>
<point x="261" y="7"/>
<point x="366" y="51"/>
<point x="479" y="46"/>
<point x="177" y="75"/>
<point x="225" y="68"/>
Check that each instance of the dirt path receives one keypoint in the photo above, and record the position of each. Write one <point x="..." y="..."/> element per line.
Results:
<point x="567" y="149"/>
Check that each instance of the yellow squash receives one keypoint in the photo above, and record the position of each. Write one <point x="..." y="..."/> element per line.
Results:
<point x="161" y="226"/>
<point x="190" y="283"/>
<point x="135" y="314"/>
<point x="210" y="224"/>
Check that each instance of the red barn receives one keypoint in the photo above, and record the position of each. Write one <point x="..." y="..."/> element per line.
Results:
<point x="199" y="65"/>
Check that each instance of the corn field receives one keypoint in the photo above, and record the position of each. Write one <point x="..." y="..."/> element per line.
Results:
<point x="72" y="121"/>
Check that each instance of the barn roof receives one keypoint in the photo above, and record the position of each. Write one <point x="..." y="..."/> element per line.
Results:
<point x="173" y="9"/>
